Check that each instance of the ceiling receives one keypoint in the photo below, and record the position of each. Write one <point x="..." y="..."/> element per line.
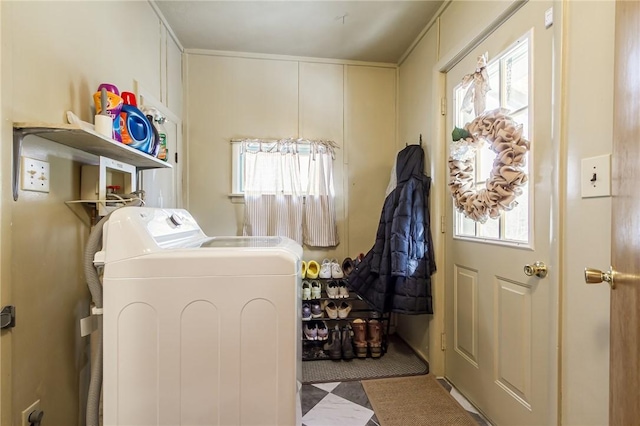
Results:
<point x="372" y="31"/>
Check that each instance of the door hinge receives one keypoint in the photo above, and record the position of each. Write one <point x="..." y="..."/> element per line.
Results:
<point x="443" y="341"/>
<point x="8" y="317"/>
<point x="443" y="106"/>
<point x="176" y="157"/>
<point x="442" y="225"/>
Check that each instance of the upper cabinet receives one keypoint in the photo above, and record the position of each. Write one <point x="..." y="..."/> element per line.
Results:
<point x="174" y="76"/>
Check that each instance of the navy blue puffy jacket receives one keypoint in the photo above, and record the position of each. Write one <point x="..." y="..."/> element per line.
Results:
<point x="395" y="275"/>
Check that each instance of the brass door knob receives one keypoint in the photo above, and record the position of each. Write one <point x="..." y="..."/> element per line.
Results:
<point x="596" y="276"/>
<point x="538" y="269"/>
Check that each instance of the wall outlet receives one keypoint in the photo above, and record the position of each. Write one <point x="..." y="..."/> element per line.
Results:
<point x="35" y="175"/>
<point x="26" y="412"/>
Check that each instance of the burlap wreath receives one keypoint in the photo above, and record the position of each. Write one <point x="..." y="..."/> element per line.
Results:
<point x="507" y="175"/>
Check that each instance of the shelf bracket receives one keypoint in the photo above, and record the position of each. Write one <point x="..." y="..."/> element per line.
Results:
<point x="18" y="136"/>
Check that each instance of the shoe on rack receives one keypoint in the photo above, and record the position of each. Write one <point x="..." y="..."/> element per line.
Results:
<point x="303" y="269"/>
<point x="306" y="312"/>
<point x="343" y="291"/>
<point x="344" y="309"/>
<point x="333" y="290"/>
<point x="310" y="331"/>
<point x="347" y="266"/>
<point x="325" y="269"/>
<point x="323" y="331"/>
<point x="375" y="338"/>
<point x="334" y="345"/>
<point x="347" y="342"/>
<point x="316" y="289"/>
<point x="332" y="310"/>
<point x="316" y="309"/>
<point x="336" y="270"/>
<point x="360" y="337"/>
<point x="312" y="269"/>
<point x="306" y="290"/>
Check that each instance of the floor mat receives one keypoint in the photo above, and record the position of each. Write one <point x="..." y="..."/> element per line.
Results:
<point x="400" y="360"/>
<point x="420" y="401"/>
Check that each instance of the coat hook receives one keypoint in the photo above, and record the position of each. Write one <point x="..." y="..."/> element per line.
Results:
<point x="420" y="139"/>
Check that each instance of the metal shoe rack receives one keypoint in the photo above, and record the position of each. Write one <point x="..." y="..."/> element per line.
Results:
<point x="313" y="350"/>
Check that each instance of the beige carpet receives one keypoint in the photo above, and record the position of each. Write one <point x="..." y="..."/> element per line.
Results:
<point x="416" y="400"/>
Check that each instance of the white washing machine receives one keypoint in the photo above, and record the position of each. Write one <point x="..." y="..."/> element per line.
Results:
<point x="198" y="330"/>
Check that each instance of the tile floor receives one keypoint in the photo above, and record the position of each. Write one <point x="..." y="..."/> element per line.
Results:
<point x="346" y="404"/>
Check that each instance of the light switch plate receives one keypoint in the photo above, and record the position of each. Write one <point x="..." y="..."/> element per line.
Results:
<point x="596" y="176"/>
<point x="548" y="17"/>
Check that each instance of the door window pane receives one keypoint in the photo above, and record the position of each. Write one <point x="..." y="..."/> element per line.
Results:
<point x="517" y="220"/>
<point x="489" y="229"/>
<point x="510" y="83"/>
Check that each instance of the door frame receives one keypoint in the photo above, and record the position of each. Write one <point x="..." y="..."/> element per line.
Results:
<point x="439" y="171"/>
<point x="6" y="207"/>
<point x="6" y="203"/>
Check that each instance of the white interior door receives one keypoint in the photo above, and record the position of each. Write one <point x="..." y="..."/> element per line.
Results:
<point x="500" y="323"/>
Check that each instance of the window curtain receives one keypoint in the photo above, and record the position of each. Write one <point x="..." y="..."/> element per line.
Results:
<point x="319" y="222"/>
<point x="288" y="190"/>
<point x="272" y="195"/>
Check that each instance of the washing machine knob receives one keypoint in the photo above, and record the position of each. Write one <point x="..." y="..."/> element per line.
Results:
<point x="175" y="219"/>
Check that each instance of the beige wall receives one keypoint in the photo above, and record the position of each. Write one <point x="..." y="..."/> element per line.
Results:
<point x="587" y="231"/>
<point x="586" y="131"/>
<point x="230" y="97"/>
<point x="54" y="55"/>
<point x="417" y="115"/>
<point x="370" y="145"/>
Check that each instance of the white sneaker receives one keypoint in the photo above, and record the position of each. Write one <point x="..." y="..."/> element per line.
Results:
<point x="316" y="290"/>
<point x="306" y="290"/>
<point x="336" y="270"/>
<point x="333" y="291"/>
<point x="343" y="291"/>
<point x="325" y="269"/>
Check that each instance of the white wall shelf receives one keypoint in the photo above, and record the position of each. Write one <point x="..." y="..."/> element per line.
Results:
<point x="84" y="139"/>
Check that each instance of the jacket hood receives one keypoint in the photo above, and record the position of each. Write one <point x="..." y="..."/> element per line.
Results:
<point x="410" y="162"/>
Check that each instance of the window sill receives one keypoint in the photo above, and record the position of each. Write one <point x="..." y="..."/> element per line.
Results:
<point x="236" y="198"/>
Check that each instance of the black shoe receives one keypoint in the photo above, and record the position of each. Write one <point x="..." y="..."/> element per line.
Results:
<point x="334" y="346"/>
<point x="347" y="342"/>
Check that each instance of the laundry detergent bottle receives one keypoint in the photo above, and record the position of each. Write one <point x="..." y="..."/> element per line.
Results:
<point x="135" y="129"/>
<point x="156" y="119"/>
<point x="114" y="106"/>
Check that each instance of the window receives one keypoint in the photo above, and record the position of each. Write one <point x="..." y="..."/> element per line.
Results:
<point x="238" y="165"/>
<point x="510" y="89"/>
<point x="288" y="189"/>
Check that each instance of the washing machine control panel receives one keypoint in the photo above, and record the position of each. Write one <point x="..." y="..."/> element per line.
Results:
<point x="168" y="228"/>
<point x="135" y="231"/>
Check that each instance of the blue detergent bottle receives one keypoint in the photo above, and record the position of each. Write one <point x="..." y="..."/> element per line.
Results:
<point x="135" y="128"/>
